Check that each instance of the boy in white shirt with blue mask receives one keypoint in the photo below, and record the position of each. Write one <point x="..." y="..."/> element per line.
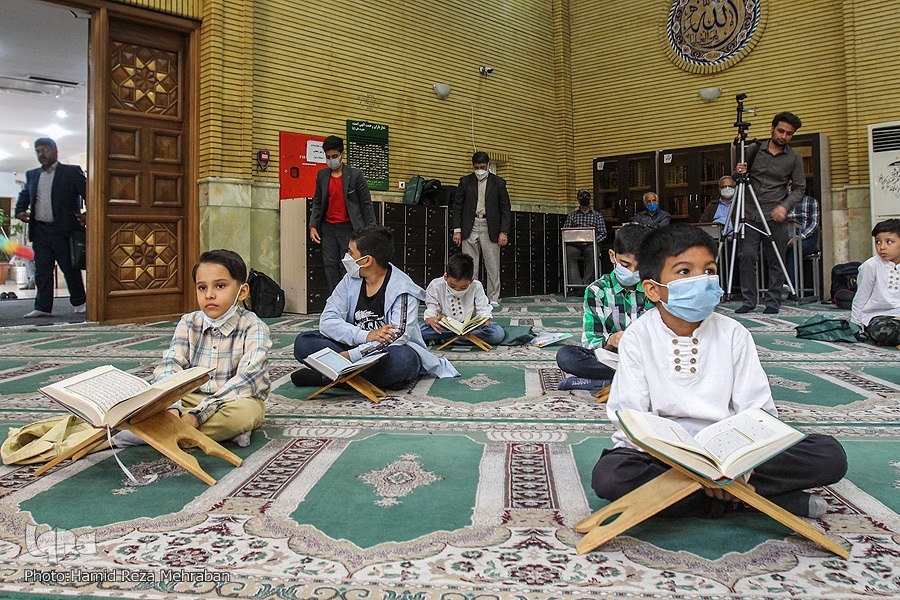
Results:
<point x="685" y="362"/>
<point x="458" y="295"/>
<point x="611" y="304"/>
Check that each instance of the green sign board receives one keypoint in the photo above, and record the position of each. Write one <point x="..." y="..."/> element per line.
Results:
<point x="367" y="150"/>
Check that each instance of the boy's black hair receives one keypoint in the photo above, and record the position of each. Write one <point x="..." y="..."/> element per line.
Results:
<point x="887" y="226"/>
<point x="630" y="238"/>
<point x="375" y="241"/>
<point x="333" y="142"/>
<point x="669" y="241"/>
<point x="480" y="157"/>
<point x="229" y="259"/>
<point x="461" y="267"/>
<point x="789" y="118"/>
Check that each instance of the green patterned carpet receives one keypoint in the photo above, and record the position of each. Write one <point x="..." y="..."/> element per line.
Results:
<point x="462" y="489"/>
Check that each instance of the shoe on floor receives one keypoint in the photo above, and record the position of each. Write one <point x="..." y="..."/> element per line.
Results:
<point x="12" y="296"/>
<point x="37" y="313"/>
<point x="495" y="304"/>
<point x="581" y="383"/>
<point x="78" y="309"/>
<point x="770" y="310"/>
<point x="742" y="310"/>
<point x="305" y="377"/>
<point x="4" y="296"/>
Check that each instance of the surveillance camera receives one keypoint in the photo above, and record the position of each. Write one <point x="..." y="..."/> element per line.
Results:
<point x="485" y="70"/>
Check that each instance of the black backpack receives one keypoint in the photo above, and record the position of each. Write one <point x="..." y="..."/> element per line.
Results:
<point x="266" y="296"/>
<point x="843" y="283"/>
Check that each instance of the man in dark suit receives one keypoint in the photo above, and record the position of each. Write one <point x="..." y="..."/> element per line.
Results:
<point x="480" y="220"/>
<point x="51" y="203"/>
<point x="341" y="205"/>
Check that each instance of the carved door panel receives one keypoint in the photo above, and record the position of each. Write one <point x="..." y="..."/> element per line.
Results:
<point x="148" y="231"/>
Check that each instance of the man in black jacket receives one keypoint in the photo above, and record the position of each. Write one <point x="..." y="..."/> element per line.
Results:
<point x="341" y="205"/>
<point x="480" y="219"/>
<point x="51" y="203"/>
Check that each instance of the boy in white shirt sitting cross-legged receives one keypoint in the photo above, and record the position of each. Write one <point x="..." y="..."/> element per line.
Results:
<point x="458" y="295"/>
<point x="683" y="361"/>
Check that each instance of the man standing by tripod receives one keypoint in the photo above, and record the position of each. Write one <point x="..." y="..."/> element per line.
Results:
<point x="771" y="165"/>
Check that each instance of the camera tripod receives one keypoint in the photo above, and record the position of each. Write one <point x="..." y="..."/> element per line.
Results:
<point x="736" y="212"/>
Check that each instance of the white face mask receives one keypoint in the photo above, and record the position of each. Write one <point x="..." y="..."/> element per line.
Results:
<point x="351" y="265"/>
<point x="727" y="192"/>
<point x="219" y="321"/>
<point x="481" y="174"/>
<point x="333" y="163"/>
<point x="456" y="293"/>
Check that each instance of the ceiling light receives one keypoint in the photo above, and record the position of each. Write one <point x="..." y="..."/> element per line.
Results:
<point x="54" y="131"/>
<point x="441" y="90"/>
<point x="25" y="145"/>
<point x="62" y="114"/>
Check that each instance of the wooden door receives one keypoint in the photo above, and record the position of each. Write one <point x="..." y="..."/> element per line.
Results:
<point x="145" y="236"/>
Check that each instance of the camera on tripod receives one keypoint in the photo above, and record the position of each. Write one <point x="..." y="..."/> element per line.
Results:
<point x="740" y="123"/>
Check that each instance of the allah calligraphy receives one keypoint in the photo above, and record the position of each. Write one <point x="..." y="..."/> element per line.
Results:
<point x="706" y="36"/>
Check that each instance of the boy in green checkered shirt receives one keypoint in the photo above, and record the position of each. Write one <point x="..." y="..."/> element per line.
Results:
<point x="611" y="304"/>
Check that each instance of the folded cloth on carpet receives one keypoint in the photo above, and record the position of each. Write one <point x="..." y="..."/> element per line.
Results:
<point x="517" y="335"/>
<point x="44" y="440"/>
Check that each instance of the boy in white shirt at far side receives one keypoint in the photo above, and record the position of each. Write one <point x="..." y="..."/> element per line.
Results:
<point x="457" y="295"/>
<point x="683" y="361"/>
<point x="877" y="299"/>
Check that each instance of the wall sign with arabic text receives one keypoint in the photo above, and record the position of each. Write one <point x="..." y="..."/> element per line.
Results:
<point x="707" y="36"/>
<point x="367" y="150"/>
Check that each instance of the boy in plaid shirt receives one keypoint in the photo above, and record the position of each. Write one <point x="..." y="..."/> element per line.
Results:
<point x="611" y="304"/>
<point x="227" y="338"/>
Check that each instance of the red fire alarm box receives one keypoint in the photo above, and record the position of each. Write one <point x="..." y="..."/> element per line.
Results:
<point x="300" y="158"/>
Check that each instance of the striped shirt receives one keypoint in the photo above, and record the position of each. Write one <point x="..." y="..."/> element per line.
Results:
<point x="610" y="308"/>
<point x="806" y="212"/>
<point x="236" y="351"/>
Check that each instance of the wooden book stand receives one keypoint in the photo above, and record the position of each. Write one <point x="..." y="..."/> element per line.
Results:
<point x="602" y="395"/>
<point x="472" y="338"/>
<point x="358" y="383"/>
<point x="162" y="430"/>
<point x="672" y="486"/>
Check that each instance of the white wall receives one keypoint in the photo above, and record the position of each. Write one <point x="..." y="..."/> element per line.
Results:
<point x="8" y="186"/>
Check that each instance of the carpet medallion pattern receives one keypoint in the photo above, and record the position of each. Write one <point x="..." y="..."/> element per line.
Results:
<point x="457" y="489"/>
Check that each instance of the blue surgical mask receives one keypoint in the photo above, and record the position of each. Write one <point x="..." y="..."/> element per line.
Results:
<point x="693" y="298"/>
<point x="652" y="207"/>
<point x="625" y="276"/>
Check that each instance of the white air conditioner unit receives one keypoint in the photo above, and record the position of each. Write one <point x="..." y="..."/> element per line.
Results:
<point x="884" y="170"/>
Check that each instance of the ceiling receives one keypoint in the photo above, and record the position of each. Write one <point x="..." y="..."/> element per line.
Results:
<point x="48" y="41"/>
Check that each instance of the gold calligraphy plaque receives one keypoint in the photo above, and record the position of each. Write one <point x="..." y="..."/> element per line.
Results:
<point x="707" y="36"/>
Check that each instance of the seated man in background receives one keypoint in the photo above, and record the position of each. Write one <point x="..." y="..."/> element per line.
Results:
<point x="583" y="216"/>
<point x="653" y="217"/>
<point x="806" y="213"/>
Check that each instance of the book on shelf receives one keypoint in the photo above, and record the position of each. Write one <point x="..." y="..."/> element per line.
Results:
<point x="469" y="324"/>
<point x="610" y="359"/>
<point x="549" y="338"/>
<point x="107" y="396"/>
<point x="722" y="451"/>
<point x="333" y="365"/>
